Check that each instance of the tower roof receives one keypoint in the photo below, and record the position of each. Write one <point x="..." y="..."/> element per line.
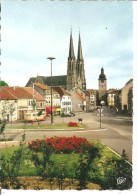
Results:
<point x="102" y="76"/>
<point x="80" y="56"/>
<point x="71" y="48"/>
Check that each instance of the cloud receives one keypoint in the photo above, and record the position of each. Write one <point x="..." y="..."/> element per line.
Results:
<point x="33" y="31"/>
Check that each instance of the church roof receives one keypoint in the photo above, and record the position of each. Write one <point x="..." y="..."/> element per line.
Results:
<point x="56" y="80"/>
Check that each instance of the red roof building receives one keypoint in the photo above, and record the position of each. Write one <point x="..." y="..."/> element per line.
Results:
<point x="5" y="95"/>
<point x="24" y="93"/>
<point x="24" y="96"/>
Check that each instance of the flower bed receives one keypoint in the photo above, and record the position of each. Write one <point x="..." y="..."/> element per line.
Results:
<point x="73" y="124"/>
<point x="61" y="144"/>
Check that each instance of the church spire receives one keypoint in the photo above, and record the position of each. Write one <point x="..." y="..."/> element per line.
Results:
<point x="80" y="57"/>
<point x="71" y="48"/>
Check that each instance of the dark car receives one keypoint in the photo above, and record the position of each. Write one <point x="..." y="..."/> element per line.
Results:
<point x="67" y="114"/>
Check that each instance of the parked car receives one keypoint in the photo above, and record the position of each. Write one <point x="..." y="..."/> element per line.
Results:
<point x="67" y="114"/>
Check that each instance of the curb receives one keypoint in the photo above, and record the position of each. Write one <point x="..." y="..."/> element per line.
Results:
<point x="74" y="130"/>
<point x="45" y="129"/>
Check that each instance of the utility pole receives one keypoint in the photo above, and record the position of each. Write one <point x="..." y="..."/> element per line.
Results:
<point x="51" y="58"/>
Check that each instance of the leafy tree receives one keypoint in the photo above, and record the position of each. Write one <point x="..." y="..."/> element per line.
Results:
<point x="34" y="104"/>
<point x="2" y="127"/>
<point x="83" y="166"/>
<point x="3" y="83"/>
<point x="118" y="101"/>
<point x="130" y="101"/>
<point x="40" y="113"/>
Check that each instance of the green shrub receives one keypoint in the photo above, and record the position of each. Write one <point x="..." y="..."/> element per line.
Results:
<point x="83" y="166"/>
<point x="10" y="167"/>
<point x="108" y="174"/>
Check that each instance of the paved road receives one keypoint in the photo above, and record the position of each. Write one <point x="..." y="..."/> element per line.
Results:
<point x="116" y="133"/>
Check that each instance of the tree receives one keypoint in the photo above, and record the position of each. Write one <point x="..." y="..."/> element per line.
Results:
<point x="3" y="83"/>
<point x="34" y="104"/>
<point x="8" y="108"/>
<point x="118" y="101"/>
<point x="130" y="101"/>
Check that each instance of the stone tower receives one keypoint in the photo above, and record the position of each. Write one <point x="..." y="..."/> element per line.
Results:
<point x="75" y="69"/>
<point x="102" y="86"/>
<point x="71" y="69"/>
<point x="81" y="81"/>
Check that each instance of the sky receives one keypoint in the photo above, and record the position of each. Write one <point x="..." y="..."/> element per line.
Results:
<point x="33" y="30"/>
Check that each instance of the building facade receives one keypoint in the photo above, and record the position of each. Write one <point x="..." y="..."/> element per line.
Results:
<point x="111" y="93"/>
<point x="124" y="95"/>
<point x="93" y="98"/>
<point x="66" y="104"/>
<point x="102" y="87"/>
<point x="25" y="96"/>
<point x="8" y="106"/>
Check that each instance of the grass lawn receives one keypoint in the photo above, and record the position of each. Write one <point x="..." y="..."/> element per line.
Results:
<point x="28" y="168"/>
<point x="56" y="126"/>
<point x="107" y="179"/>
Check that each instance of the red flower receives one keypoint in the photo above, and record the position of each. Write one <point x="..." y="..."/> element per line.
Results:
<point x="61" y="144"/>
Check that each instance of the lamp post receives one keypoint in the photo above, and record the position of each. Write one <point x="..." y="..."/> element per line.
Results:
<point x="100" y="114"/>
<point x="51" y="58"/>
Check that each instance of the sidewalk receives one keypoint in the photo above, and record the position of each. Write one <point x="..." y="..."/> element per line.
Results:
<point x="5" y="144"/>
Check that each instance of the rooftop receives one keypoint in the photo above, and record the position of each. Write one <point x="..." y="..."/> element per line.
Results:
<point x="23" y="93"/>
<point x="42" y="86"/>
<point x="79" y="96"/>
<point x="5" y="95"/>
<point x="56" y="80"/>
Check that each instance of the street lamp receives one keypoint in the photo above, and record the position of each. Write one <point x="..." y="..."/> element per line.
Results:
<point x="51" y="58"/>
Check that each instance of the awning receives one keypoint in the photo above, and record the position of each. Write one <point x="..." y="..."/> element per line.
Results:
<point x="58" y="109"/>
<point x="48" y="110"/>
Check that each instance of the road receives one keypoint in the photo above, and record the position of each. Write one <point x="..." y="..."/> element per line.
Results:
<point x="116" y="132"/>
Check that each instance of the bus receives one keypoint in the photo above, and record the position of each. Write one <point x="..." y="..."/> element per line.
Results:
<point x="33" y="116"/>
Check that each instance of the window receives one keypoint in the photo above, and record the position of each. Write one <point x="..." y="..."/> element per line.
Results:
<point x="102" y="81"/>
<point x="125" y="107"/>
<point x="29" y="102"/>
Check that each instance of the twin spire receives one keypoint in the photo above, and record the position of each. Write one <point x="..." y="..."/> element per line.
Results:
<point x="71" y="49"/>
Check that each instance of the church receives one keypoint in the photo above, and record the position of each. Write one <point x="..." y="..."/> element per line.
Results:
<point x="75" y="77"/>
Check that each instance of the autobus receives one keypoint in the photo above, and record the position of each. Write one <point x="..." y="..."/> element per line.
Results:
<point x="33" y="116"/>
